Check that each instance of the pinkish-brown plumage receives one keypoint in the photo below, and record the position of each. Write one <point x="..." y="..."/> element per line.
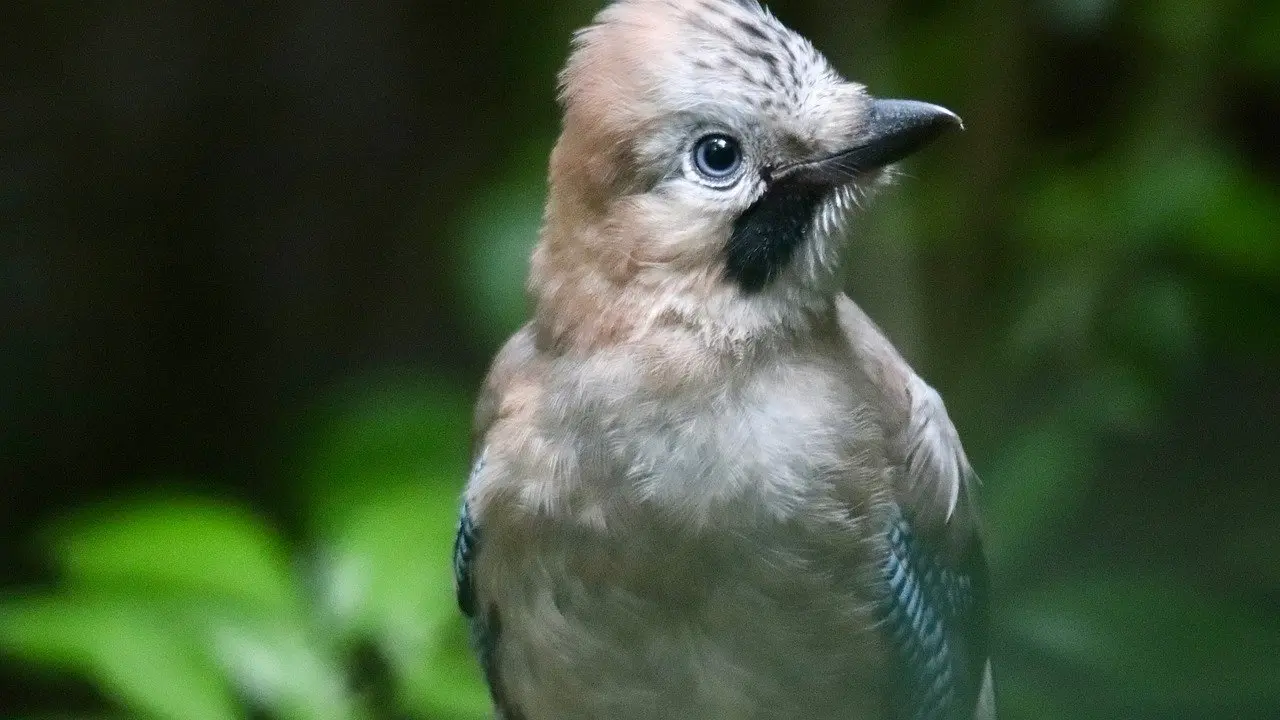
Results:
<point x="689" y="460"/>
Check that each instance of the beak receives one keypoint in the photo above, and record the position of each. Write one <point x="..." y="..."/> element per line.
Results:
<point x="895" y="129"/>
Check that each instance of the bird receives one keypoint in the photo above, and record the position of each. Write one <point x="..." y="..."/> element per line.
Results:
<point x="704" y="482"/>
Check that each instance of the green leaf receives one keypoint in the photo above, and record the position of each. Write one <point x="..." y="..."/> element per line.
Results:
<point x="1031" y="692"/>
<point x="1240" y="227"/>
<point x="1260" y="49"/>
<point x="387" y="468"/>
<point x="387" y="575"/>
<point x="1057" y="317"/>
<point x="283" y="667"/>
<point x="1161" y="189"/>
<point x="1185" y="25"/>
<point x="1154" y="642"/>
<point x="1202" y="196"/>
<point x="1032" y="489"/>
<point x="1068" y="213"/>
<point x="1079" y="16"/>
<point x="1157" y="317"/>
<point x="451" y="683"/>
<point x="1253" y="550"/>
<point x="187" y="545"/>
<point x="498" y="230"/>
<point x="385" y="432"/>
<point x="1111" y="398"/>
<point x="136" y="652"/>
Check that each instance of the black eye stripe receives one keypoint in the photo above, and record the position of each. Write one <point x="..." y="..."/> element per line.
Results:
<point x="765" y="238"/>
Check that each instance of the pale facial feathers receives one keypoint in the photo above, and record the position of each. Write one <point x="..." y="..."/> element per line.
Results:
<point x="633" y="232"/>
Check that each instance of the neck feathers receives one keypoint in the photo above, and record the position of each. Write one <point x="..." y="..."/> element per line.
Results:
<point x="614" y="264"/>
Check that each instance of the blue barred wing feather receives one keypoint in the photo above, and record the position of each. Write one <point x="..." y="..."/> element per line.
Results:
<point x="464" y="547"/>
<point x="934" y="617"/>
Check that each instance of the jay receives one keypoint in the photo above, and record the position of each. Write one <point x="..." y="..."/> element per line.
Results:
<point x="705" y="484"/>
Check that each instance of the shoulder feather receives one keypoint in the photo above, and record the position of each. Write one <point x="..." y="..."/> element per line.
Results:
<point x="934" y="472"/>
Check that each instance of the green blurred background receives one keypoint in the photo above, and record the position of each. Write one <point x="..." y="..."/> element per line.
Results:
<point x="255" y="259"/>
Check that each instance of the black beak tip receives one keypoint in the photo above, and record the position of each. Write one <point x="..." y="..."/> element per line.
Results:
<point x="913" y="112"/>
<point x="898" y="128"/>
<point x="950" y="118"/>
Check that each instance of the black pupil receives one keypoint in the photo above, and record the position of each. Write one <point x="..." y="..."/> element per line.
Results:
<point x="719" y="154"/>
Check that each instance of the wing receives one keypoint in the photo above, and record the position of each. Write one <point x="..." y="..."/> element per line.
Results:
<point x="483" y="633"/>
<point x="510" y="369"/>
<point x="466" y="543"/>
<point x="484" y="625"/>
<point x="934" y="617"/>
<point x="464" y="550"/>
<point x="934" y="613"/>
<point x="484" y="621"/>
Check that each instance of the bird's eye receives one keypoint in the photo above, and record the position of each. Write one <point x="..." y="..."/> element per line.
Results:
<point x="717" y="157"/>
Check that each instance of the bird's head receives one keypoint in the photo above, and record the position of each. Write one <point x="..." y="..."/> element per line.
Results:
<point x="708" y="159"/>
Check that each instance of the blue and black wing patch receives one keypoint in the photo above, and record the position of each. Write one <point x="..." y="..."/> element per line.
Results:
<point x="935" y="619"/>
<point x="485" y="622"/>
<point x="466" y="544"/>
<point x="464" y="550"/>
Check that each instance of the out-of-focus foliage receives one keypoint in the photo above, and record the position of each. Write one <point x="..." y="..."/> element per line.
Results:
<point x="1090" y="274"/>
<point x="182" y="608"/>
<point x="188" y="609"/>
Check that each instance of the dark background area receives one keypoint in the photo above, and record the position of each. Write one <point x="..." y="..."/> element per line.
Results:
<point x="214" y="220"/>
